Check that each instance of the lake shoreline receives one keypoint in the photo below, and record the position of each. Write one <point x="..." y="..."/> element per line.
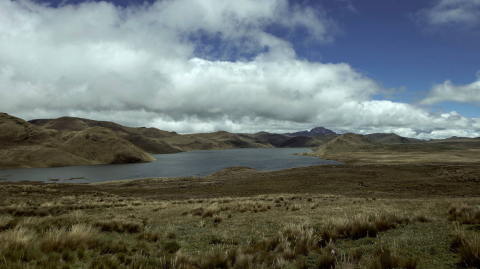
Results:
<point x="184" y="164"/>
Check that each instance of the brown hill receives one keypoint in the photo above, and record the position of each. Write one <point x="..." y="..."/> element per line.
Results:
<point x="284" y="141"/>
<point x="102" y="145"/>
<point x="148" y="139"/>
<point x="268" y="139"/>
<point x="155" y="141"/>
<point x="24" y="145"/>
<point x="345" y="143"/>
<point x="391" y="138"/>
<point x="307" y="141"/>
<point x="212" y="141"/>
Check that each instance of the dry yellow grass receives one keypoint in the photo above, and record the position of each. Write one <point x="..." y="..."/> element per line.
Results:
<point x="253" y="219"/>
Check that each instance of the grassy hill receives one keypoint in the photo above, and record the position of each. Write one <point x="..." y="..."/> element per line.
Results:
<point x="345" y="143"/>
<point x="148" y="139"/>
<point x="24" y="145"/>
<point x="155" y="141"/>
<point x="390" y="138"/>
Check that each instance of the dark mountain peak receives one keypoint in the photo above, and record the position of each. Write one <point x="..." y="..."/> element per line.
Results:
<point x="314" y="132"/>
<point x="321" y="131"/>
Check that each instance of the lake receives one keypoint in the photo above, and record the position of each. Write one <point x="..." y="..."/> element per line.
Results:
<point x="191" y="163"/>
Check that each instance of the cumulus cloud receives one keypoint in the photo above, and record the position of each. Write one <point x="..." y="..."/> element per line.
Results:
<point x="454" y="13"/>
<point x="149" y="65"/>
<point x="448" y="91"/>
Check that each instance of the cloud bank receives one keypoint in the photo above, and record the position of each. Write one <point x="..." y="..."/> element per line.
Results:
<point x="164" y="65"/>
<point x="447" y="91"/>
<point x="451" y="13"/>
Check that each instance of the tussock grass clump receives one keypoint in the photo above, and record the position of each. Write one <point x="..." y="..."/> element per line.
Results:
<point x="119" y="226"/>
<point x="385" y="259"/>
<point x="45" y="223"/>
<point x="291" y="246"/>
<point x="251" y="207"/>
<point x="17" y="245"/>
<point x="171" y="234"/>
<point x="467" y="246"/>
<point x="171" y="247"/>
<point x="112" y="247"/>
<point x="292" y="241"/>
<point x="69" y="256"/>
<point x="465" y="214"/>
<point x="25" y="211"/>
<point x="422" y="218"/>
<point x="7" y="222"/>
<point x="104" y="262"/>
<point x="222" y="240"/>
<point x="16" y="239"/>
<point x="211" y="211"/>
<point x="72" y="238"/>
<point x="361" y="227"/>
<point x="215" y="259"/>
<point x="326" y="261"/>
<point x="148" y="235"/>
<point x="197" y="211"/>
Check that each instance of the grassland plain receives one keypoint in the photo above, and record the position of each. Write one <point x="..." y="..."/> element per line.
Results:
<point x="349" y="216"/>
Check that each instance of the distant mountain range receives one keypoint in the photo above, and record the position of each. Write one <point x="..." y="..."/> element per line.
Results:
<point x="314" y="132"/>
<point x="75" y="141"/>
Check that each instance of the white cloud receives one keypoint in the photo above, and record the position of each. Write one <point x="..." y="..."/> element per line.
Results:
<point x="448" y="91"/>
<point x="140" y="66"/>
<point x="454" y="13"/>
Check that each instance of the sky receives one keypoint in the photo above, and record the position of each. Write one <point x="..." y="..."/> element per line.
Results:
<point x="407" y="67"/>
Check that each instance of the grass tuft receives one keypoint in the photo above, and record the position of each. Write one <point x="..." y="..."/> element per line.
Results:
<point x="119" y="226"/>
<point x="467" y="246"/>
<point x="465" y="214"/>
<point x="385" y="259"/>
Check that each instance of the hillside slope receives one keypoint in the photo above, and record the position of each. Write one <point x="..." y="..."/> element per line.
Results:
<point x="307" y="141"/>
<point x="155" y="141"/>
<point x="345" y="143"/>
<point x="390" y="138"/>
<point x="148" y="139"/>
<point x="24" y="145"/>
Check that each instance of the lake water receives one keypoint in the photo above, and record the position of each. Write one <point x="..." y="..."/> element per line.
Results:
<point x="192" y="163"/>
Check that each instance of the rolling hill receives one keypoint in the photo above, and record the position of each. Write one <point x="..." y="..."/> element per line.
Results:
<point x="155" y="141"/>
<point x="25" y="145"/>
<point x="391" y="138"/>
<point x="348" y="142"/>
<point x="148" y="139"/>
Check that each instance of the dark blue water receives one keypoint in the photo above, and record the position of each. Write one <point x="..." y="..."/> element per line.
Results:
<point x="192" y="163"/>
